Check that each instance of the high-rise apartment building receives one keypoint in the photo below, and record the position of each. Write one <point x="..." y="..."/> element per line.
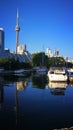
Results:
<point x="1" y="40"/>
<point x="48" y="52"/>
<point x="56" y="53"/>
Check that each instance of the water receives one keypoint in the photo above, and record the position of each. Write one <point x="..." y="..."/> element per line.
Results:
<point x="32" y="103"/>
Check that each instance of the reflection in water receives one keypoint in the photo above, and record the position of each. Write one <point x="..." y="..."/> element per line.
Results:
<point x="70" y="84"/>
<point x="21" y="85"/>
<point x="9" y="102"/>
<point x="39" y="82"/>
<point x="1" y="92"/>
<point x="34" y="109"/>
<point x="13" y="79"/>
<point x="57" y="85"/>
<point x="57" y="88"/>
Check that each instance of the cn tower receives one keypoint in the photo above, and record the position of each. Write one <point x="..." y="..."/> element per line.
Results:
<point x="17" y="31"/>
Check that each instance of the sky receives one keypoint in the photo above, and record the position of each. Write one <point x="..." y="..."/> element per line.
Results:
<point x="43" y="24"/>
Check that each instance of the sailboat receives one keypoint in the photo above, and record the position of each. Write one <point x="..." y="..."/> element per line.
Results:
<point x="42" y="70"/>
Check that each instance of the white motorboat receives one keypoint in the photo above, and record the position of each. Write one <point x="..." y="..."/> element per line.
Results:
<point x="70" y="74"/>
<point x="57" y="74"/>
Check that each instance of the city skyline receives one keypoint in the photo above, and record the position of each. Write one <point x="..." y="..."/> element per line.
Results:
<point x="44" y="24"/>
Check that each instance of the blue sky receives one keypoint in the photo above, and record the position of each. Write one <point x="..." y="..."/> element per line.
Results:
<point x="43" y="23"/>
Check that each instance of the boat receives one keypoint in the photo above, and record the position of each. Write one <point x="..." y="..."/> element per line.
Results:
<point x="22" y="72"/>
<point x="70" y="74"/>
<point x="57" y="74"/>
<point x="41" y="71"/>
<point x="19" y="71"/>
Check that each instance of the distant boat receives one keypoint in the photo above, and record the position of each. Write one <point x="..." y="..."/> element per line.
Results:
<point x="70" y="74"/>
<point x="57" y="74"/>
<point x="22" y="72"/>
<point x="41" y="71"/>
<point x="19" y="71"/>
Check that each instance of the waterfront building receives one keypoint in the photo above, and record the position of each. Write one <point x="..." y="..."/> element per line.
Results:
<point x="56" y="53"/>
<point x="49" y="52"/>
<point x="21" y="49"/>
<point x="1" y="40"/>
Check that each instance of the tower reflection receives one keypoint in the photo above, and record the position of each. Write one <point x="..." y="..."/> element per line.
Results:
<point x="20" y="86"/>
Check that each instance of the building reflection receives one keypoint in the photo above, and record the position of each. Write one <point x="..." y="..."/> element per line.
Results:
<point x="70" y="84"/>
<point x="1" y="92"/>
<point x="10" y="88"/>
<point x="57" y="88"/>
<point x="21" y="85"/>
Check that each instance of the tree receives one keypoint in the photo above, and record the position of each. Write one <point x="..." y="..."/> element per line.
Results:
<point x="47" y="61"/>
<point x="39" y="59"/>
<point x="56" y="61"/>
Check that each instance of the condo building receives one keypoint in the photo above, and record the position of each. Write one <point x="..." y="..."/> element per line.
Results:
<point x="1" y="40"/>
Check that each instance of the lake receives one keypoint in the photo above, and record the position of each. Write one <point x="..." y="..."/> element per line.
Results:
<point x="32" y="103"/>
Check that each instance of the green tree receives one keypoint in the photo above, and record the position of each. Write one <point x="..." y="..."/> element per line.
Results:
<point x="56" y="61"/>
<point x="39" y="59"/>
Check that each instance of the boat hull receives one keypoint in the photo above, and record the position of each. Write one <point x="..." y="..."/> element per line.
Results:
<point x="57" y="78"/>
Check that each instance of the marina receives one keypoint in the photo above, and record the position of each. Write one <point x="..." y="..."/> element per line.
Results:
<point x="34" y="103"/>
<point x="36" y="65"/>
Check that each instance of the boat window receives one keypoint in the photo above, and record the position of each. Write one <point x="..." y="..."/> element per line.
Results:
<point x="51" y="72"/>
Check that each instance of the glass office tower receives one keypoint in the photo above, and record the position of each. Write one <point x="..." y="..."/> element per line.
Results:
<point x="1" y="40"/>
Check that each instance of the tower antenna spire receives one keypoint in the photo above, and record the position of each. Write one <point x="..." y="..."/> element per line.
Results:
<point x="17" y="21"/>
<point x="17" y="30"/>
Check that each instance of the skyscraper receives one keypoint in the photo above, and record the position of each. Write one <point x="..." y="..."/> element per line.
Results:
<point x="49" y="52"/>
<point x="56" y="53"/>
<point x="1" y="40"/>
<point x="17" y="31"/>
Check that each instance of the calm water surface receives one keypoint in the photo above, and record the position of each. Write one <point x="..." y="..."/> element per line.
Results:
<point x="32" y="103"/>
